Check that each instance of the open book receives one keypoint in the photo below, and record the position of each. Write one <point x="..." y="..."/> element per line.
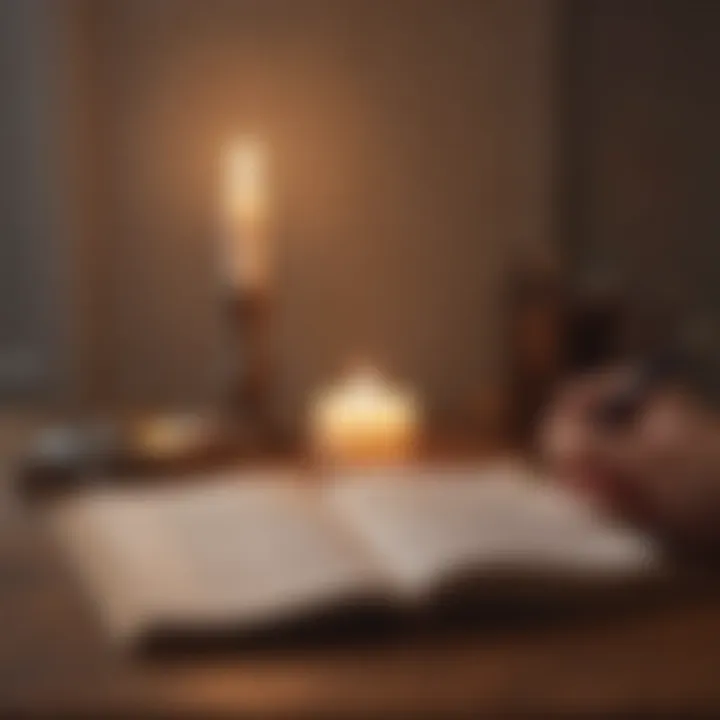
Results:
<point x="252" y="550"/>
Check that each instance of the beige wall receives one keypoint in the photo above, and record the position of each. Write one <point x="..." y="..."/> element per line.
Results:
<point x="411" y="154"/>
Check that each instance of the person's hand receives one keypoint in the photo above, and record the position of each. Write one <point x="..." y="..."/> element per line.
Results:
<point x="661" y="469"/>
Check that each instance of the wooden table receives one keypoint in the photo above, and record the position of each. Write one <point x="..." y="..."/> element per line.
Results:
<point x="53" y="657"/>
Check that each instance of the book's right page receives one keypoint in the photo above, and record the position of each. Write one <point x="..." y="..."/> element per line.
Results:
<point x="428" y="525"/>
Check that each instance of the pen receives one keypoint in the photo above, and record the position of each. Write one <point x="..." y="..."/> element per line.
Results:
<point x="646" y="376"/>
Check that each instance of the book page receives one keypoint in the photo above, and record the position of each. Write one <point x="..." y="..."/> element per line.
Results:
<point x="426" y="525"/>
<point x="233" y="550"/>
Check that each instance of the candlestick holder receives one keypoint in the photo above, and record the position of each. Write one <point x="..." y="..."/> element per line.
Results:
<point x="248" y="311"/>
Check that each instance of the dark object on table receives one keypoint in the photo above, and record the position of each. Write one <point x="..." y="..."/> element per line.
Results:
<point x="535" y="326"/>
<point x="65" y="456"/>
<point x="556" y="328"/>
<point x="593" y="331"/>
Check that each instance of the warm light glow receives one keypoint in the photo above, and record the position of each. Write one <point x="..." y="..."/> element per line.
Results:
<point x="167" y="436"/>
<point x="245" y="179"/>
<point x="364" y="419"/>
<point x="244" y="194"/>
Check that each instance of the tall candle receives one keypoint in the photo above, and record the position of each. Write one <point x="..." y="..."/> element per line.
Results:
<point x="246" y="251"/>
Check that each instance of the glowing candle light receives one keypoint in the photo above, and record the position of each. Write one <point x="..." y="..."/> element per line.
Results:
<point x="364" y="419"/>
<point x="246" y="249"/>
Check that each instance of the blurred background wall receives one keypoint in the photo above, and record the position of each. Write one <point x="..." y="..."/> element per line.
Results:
<point x="396" y="171"/>
<point x="419" y="149"/>
<point x="405" y="136"/>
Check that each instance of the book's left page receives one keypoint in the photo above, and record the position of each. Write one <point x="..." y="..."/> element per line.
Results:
<point x="242" y="550"/>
